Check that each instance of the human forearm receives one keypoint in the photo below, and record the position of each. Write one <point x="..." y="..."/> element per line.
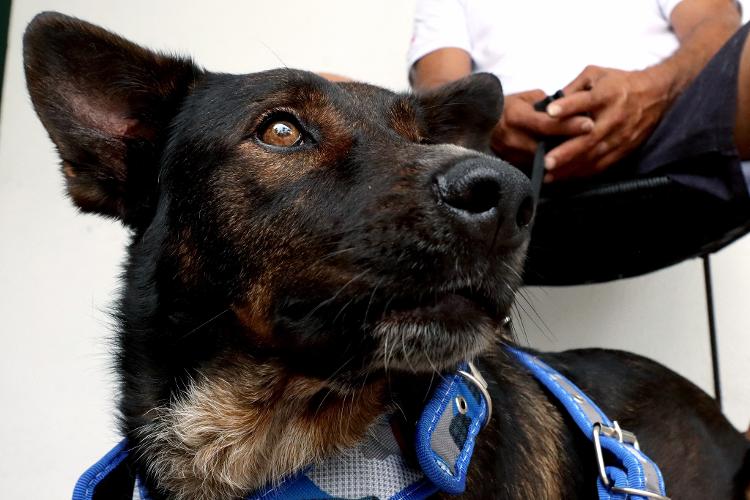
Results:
<point x="627" y="105"/>
<point x="702" y="27"/>
<point x="440" y="67"/>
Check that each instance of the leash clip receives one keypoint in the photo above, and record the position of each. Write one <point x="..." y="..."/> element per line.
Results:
<point x="475" y="377"/>
<point x="622" y="436"/>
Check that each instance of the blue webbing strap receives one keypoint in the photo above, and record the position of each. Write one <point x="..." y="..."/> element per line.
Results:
<point x="445" y="437"/>
<point x="448" y="427"/>
<point x="446" y="433"/>
<point x="89" y="480"/>
<point x="631" y="475"/>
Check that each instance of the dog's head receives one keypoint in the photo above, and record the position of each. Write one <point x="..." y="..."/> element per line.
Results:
<point x="330" y="219"/>
<point x="328" y="228"/>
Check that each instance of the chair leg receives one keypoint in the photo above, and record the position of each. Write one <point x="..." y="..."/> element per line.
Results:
<point x="712" y="327"/>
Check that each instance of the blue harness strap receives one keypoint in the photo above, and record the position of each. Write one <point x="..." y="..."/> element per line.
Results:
<point x="631" y="475"/>
<point x="445" y="437"/>
<point x="448" y="428"/>
<point x="86" y="485"/>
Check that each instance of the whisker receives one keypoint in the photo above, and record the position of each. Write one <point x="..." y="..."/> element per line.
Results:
<point x="320" y="405"/>
<point x="514" y="329"/>
<point x="342" y="310"/>
<point x="530" y="317"/>
<point x="332" y="298"/>
<point x="329" y="379"/>
<point x="513" y="271"/>
<point x="435" y="371"/>
<point x="406" y="354"/>
<point x="369" y="302"/>
<point x="546" y="329"/>
<point x="385" y="354"/>
<point x="494" y="239"/>
<point x="334" y="253"/>
<point x="275" y="54"/>
<point x="205" y="323"/>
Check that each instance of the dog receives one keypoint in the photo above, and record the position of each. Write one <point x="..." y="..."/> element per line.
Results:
<point x="306" y="256"/>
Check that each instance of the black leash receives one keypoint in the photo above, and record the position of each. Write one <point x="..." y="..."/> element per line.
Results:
<point x="537" y="169"/>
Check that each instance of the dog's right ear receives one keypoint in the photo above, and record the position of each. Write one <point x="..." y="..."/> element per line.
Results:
<point x="106" y="103"/>
<point x="463" y="112"/>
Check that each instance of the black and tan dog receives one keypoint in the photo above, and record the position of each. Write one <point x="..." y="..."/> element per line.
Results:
<point x="305" y="254"/>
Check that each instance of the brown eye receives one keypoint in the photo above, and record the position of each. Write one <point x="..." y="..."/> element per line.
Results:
<point x="281" y="133"/>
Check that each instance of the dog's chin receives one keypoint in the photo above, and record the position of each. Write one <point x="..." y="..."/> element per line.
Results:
<point x="438" y="336"/>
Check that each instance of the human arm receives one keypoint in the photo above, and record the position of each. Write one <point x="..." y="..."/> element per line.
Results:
<point x="627" y="105"/>
<point x="439" y="67"/>
<point x="334" y="77"/>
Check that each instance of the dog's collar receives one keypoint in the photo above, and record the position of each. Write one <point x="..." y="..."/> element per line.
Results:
<point x="377" y="467"/>
<point x="445" y="438"/>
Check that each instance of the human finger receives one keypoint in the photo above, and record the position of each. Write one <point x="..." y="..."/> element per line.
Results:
<point x="609" y="120"/>
<point x="609" y="159"/>
<point x="577" y="103"/>
<point x="584" y="80"/>
<point x="513" y="145"/>
<point x="541" y="124"/>
<point x="569" y="157"/>
<point x="588" y="157"/>
<point x="530" y="96"/>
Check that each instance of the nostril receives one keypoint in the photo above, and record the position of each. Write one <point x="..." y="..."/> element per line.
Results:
<point x="475" y="195"/>
<point x="525" y="212"/>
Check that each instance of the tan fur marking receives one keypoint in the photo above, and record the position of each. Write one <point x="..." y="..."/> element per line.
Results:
<point x="402" y="119"/>
<point x="254" y="314"/>
<point x="187" y="256"/>
<point x="248" y="424"/>
<point x="68" y="169"/>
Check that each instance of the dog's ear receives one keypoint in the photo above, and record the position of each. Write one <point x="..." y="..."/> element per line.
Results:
<point x="463" y="112"/>
<point x="106" y="103"/>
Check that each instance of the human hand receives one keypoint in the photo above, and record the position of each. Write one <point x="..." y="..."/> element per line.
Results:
<point x="625" y="107"/>
<point x="520" y="128"/>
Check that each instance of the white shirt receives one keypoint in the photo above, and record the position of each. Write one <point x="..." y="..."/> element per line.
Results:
<point x="545" y="44"/>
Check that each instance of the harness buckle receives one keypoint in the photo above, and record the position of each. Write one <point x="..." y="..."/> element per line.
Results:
<point x="622" y="436"/>
<point x="475" y="377"/>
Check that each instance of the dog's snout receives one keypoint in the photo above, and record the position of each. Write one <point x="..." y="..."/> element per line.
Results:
<point x="469" y="189"/>
<point x="486" y="194"/>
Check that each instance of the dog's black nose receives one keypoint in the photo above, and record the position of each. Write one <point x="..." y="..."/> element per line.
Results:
<point x="484" y="194"/>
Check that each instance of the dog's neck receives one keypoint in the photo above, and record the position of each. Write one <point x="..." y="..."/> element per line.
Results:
<point x="248" y="424"/>
<point x="244" y="422"/>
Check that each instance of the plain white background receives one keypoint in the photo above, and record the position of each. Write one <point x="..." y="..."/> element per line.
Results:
<point x="58" y="269"/>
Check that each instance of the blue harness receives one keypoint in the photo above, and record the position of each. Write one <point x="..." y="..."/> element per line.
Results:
<point x="445" y="437"/>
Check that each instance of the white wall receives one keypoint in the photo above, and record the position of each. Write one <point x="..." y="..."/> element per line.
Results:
<point x="58" y="269"/>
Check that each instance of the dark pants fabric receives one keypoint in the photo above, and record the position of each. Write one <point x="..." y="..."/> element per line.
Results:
<point x="694" y="142"/>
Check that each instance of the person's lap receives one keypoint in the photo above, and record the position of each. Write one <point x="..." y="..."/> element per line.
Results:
<point x="694" y="143"/>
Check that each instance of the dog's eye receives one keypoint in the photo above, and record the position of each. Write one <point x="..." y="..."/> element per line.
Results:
<point x="281" y="133"/>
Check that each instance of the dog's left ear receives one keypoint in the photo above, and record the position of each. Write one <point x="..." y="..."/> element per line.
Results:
<point x="106" y="104"/>
<point x="463" y="112"/>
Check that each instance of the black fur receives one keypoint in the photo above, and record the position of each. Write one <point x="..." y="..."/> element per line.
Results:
<point x="309" y="257"/>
